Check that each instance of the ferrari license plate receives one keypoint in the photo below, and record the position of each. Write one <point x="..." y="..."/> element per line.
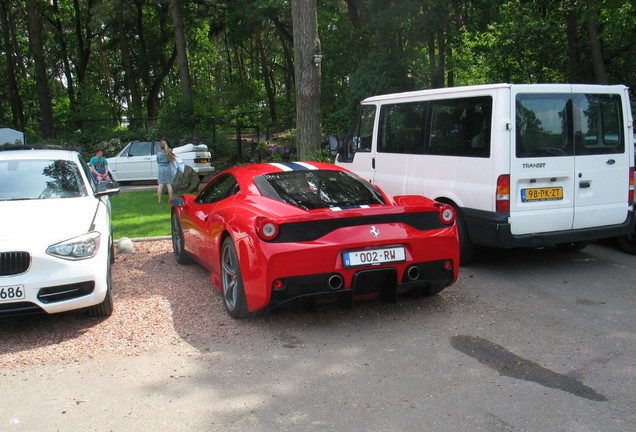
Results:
<point x="372" y="257"/>
<point x="542" y="194"/>
<point x="11" y="293"/>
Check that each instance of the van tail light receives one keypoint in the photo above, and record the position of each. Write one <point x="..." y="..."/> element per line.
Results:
<point x="631" y="185"/>
<point x="266" y="229"/>
<point x="446" y="213"/>
<point x="502" y="201"/>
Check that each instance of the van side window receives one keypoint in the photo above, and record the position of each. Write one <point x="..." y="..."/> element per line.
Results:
<point x="401" y="128"/>
<point x="598" y="127"/>
<point x="460" y="127"/>
<point x="360" y="136"/>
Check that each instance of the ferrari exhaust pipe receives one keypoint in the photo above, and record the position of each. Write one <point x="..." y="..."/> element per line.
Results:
<point x="413" y="273"/>
<point x="335" y="282"/>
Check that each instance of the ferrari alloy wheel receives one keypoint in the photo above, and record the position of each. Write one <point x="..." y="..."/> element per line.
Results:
<point x="180" y="254"/>
<point x="232" y="282"/>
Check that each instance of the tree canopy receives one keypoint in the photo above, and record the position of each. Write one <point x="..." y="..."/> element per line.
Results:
<point x="84" y="71"/>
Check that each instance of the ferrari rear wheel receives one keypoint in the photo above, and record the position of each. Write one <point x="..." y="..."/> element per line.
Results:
<point x="180" y="254"/>
<point x="232" y="282"/>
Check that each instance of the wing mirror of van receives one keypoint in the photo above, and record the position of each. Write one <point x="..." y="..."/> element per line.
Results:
<point x="335" y="146"/>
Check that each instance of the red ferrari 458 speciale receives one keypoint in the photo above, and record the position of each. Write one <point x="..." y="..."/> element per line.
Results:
<point x="280" y="232"/>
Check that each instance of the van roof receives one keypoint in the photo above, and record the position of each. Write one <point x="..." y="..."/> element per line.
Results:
<point x="485" y="87"/>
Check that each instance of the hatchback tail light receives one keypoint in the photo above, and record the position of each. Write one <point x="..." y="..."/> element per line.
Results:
<point x="266" y="229"/>
<point x="446" y="213"/>
<point x="502" y="203"/>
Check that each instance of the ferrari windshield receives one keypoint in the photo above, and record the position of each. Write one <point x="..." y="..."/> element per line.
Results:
<point x="39" y="179"/>
<point x="316" y="189"/>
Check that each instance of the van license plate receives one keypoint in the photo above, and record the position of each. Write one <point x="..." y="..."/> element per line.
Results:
<point x="371" y="257"/>
<point x="542" y="194"/>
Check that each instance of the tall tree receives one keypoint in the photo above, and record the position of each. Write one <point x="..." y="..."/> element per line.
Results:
<point x="133" y="93"/>
<point x="596" y="51"/>
<point x="182" y="55"/>
<point x="307" y="73"/>
<point x="17" y="109"/>
<point x="41" y="77"/>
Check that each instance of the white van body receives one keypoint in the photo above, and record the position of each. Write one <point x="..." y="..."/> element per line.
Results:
<point x="524" y="164"/>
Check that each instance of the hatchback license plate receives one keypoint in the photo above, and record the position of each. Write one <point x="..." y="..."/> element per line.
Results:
<point x="542" y="194"/>
<point x="11" y="293"/>
<point x="372" y="257"/>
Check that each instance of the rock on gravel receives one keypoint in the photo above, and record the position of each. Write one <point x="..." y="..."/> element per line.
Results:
<point x="157" y="302"/>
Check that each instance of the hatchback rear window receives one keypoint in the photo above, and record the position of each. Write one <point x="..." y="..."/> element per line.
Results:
<point x="313" y="189"/>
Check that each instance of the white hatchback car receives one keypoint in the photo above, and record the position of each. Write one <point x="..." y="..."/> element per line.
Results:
<point x="138" y="160"/>
<point x="56" y="246"/>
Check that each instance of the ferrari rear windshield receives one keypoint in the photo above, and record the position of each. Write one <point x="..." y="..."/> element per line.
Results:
<point x="316" y="189"/>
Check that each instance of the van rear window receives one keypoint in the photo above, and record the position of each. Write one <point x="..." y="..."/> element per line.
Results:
<point x="549" y="125"/>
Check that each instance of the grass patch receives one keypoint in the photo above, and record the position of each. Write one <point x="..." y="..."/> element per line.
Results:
<point x="138" y="214"/>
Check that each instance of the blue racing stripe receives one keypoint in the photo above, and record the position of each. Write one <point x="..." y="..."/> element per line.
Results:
<point x="293" y="166"/>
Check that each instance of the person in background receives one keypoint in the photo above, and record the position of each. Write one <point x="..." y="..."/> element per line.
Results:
<point x="99" y="166"/>
<point x="164" y="172"/>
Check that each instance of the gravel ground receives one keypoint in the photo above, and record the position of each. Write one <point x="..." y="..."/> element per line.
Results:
<point x="157" y="302"/>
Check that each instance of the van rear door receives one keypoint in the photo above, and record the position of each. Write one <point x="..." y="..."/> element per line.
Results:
<point x="569" y="163"/>
<point x="602" y="158"/>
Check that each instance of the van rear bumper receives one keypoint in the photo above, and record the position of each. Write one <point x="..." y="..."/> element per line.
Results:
<point x="493" y="230"/>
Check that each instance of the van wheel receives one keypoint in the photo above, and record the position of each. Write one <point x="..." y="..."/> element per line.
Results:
<point x="572" y="246"/>
<point x="627" y="243"/>
<point x="466" y="247"/>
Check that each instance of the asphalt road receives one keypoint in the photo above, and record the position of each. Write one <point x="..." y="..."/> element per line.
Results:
<point x="527" y="340"/>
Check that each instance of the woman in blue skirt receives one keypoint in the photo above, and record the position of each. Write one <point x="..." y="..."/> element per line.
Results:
<point x="164" y="171"/>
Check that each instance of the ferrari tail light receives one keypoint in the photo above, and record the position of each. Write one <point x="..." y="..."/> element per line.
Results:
<point x="266" y="229"/>
<point x="631" y="185"/>
<point x="502" y="203"/>
<point x="446" y="213"/>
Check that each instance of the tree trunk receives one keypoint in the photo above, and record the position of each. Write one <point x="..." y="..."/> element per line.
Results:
<point x="572" y="24"/>
<point x="135" y="102"/>
<point x="267" y="79"/>
<point x="596" y="51"/>
<point x="153" y="104"/>
<point x="66" y="63"/>
<point x="306" y="45"/>
<point x="17" y="109"/>
<point x="35" y="42"/>
<point x="182" y="54"/>
<point x="355" y="10"/>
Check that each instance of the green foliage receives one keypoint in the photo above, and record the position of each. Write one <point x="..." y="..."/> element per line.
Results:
<point x="138" y="214"/>
<point x="239" y="50"/>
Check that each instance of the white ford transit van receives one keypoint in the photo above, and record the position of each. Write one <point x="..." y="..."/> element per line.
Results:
<point x="525" y="165"/>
